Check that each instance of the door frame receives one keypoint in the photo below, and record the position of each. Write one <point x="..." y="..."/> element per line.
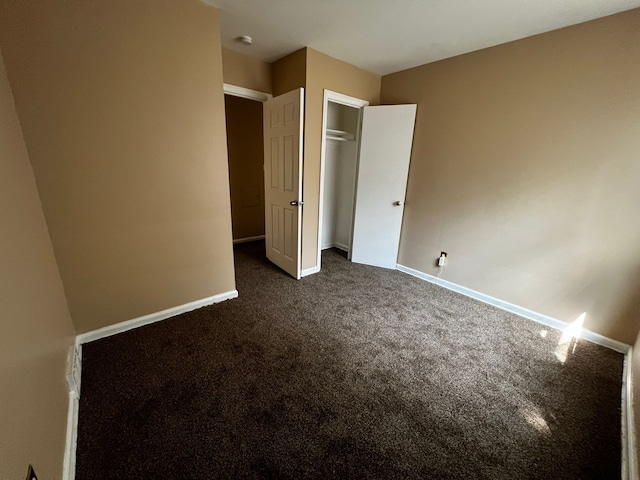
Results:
<point x="236" y="91"/>
<point x="334" y="97"/>
<point x="242" y="92"/>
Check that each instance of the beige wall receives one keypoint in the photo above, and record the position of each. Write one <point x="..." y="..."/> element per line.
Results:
<point x="289" y="72"/>
<point x="246" y="158"/>
<point x="525" y="170"/>
<point x="324" y="72"/>
<point x="122" y="109"/>
<point x="316" y="72"/>
<point x="35" y="325"/>
<point x="243" y="71"/>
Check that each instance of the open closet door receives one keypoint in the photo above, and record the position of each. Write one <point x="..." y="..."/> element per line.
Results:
<point x="385" y="151"/>
<point x="283" y="117"/>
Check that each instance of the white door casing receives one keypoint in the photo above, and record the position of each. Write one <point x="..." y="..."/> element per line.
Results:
<point x="334" y="97"/>
<point x="385" y="151"/>
<point x="283" y="129"/>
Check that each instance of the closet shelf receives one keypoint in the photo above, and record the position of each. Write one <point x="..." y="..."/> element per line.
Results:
<point x="340" y="135"/>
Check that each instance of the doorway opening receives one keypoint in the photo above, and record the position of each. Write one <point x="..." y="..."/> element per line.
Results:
<point x="364" y="161"/>
<point x="245" y="146"/>
<point x="341" y="126"/>
<point x="364" y="168"/>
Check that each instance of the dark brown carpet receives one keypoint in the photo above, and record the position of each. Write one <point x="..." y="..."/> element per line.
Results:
<point x="356" y="372"/>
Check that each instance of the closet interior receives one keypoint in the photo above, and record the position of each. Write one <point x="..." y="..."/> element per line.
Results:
<point x="340" y="171"/>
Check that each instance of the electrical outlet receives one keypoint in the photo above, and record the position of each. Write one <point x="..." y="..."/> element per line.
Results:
<point x="31" y="474"/>
<point x="442" y="259"/>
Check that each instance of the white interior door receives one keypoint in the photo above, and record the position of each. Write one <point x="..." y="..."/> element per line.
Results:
<point x="283" y="129"/>
<point x="385" y="151"/>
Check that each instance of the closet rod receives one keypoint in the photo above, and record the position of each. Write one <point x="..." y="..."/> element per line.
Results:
<point x="339" y="134"/>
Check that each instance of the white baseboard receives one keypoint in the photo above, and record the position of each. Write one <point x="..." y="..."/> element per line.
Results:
<point x="69" y="467"/>
<point x="152" y="317"/>
<point x="74" y="368"/>
<point x="74" y="375"/>
<point x="629" y="453"/>
<point x="523" y="312"/>
<point x="629" y="458"/>
<point x="340" y="246"/>
<point x="310" y="271"/>
<point x="248" y="239"/>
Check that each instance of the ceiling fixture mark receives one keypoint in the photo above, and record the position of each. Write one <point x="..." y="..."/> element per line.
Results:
<point x="245" y="40"/>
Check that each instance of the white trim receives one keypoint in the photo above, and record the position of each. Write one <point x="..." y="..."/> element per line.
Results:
<point x="246" y="93"/>
<point x="300" y="208"/>
<point x="310" y="271"/>
<point x="523" y="312"/>
<point x="629" y="457"/>
<point x="152" y="318"/>
<point x="75" y="364"/>
<point x="629" y="454"/>
<point x="340" y="246"/>
<point x="343" y="99"/>
<point x="69" y="467"/>
<point x="74" y="374"/>
<point x="335" y="97"/>
<point x="248" y="239"/>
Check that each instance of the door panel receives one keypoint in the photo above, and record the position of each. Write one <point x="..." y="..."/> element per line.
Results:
<point x="385" y="151"/>
<point x="283" y="117"/>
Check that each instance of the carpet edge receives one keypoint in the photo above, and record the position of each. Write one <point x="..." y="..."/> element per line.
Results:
<point x="126" y="325"/>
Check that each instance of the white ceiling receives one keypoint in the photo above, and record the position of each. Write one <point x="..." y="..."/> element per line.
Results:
<point x="385" y="36"/>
